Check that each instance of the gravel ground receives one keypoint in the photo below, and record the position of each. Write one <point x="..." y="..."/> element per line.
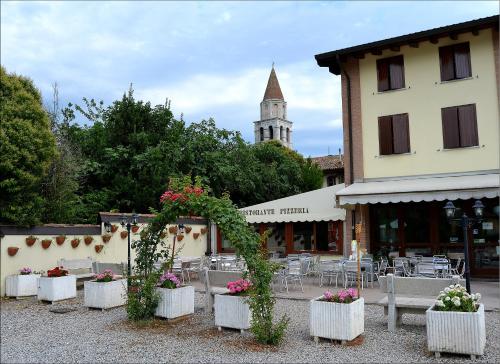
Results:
<point x="30" y="333"/>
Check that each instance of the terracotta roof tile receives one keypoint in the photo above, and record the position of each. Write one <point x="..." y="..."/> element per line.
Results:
<point x="329" y="162"/>
<point x="273" y="90"/>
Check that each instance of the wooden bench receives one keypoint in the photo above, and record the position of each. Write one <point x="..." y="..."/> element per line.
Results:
<point x="216" y="283"/>
<point x="410" y="295"/>
<point x="81" y="268"/>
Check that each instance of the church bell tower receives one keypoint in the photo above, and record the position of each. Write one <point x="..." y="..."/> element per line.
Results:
<point x="273" y="123"/>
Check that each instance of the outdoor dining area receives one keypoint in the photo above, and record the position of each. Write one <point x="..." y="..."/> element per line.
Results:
<point x="296" y="270"/>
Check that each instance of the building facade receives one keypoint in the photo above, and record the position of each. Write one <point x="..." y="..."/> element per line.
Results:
<point x="273" y="123"/>
<point x="332" y="167"/>
<point x="421" y="127"/>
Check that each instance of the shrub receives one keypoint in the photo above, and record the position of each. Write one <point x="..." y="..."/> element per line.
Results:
<point x="456" y="298"/>
<point x="143" y="298"/>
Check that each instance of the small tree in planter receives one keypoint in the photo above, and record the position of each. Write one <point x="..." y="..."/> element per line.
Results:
<point x="23" y="284"/>
<point x="57" y="285"/>
<point x="337" y="316"/>
<point x="232" y="309"/>
<point x="105" y="291"/>
<point x="455" y="323"/>
<point x="175" y="300"/>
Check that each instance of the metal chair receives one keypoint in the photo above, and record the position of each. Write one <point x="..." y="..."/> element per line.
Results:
<point x="351" y="273"/>
<point x="329" y="269"/>
<point x="381" y="267"/>
<point x="296" y="271"/>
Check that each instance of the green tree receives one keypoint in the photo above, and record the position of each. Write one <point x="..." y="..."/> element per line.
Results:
<point x="26" y="149"/>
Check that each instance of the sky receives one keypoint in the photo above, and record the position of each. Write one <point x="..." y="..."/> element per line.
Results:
<point x="211" y="59"/>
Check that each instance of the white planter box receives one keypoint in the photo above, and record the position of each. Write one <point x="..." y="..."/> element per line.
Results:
<point x="456" y="332"/>
<point x="232" y="311"/>
<point x="56" y="288"/>
<point x="175" y="302"/>
<point x="21" y="285"/>
<point x="105" y="295"/>
<point x="337" y="321"/>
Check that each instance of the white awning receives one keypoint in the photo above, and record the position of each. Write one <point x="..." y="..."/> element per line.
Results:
<point x="317" y="205"/>
<point x="422" y="189"/>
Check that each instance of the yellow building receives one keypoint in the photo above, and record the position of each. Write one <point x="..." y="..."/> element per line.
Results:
<point x="421" y="127"/>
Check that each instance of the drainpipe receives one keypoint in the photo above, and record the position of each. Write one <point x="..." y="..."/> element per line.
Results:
<point x="349" y="126"/>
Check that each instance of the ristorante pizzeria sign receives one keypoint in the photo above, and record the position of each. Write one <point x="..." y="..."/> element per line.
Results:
<point x="283" y="211"/>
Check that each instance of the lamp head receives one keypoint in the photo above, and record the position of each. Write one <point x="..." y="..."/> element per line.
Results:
<point x="478" y="208"/>
<point x="450" y="209"/>
<point x="123" y="220"/>
<point x="107" y="226"/>
<point x="135" y="219"/>
<point x="181" y="228"/>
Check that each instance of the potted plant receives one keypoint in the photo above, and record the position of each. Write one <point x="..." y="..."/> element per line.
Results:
<point x="172" y="229"/>
<point x="175" y="300"/>
<point x="23" y="284"/>
<point x="339" y="316"/>
<point x="188" y="229"/>
<point x="232" y="309"/>
<point x="75" y="242"/>
<point x="196" y="235"/>
<point x="124" y="234"/>
<point x="135" y="228"/>
<point x="455" y="323"/>
<point x="88" y="239"/>
<point x="114" y="228"/>
<point x="30" y="240"/>
<point x="106" y="238"/>
<point x="57" y="285"/>
<point x="106" y="290"/>
<point x="203" y="230"/>
<point x="60" y="239"/>
<point x="12" y="250"/>
<point x="46" y="243"/>
<point x="98" y="248"/>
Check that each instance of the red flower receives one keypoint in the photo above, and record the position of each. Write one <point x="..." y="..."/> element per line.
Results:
<point x="57" y="272"/>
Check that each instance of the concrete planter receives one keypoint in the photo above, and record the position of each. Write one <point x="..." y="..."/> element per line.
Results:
<point x="456" y="332"/>
<point x="175" y="302"/>
<point x="337" y="321"/>
<point x="232" y="311"/>
<point x="105" y="295"/>
<point x="21" y="285"/>
<point x="56" y="288"/>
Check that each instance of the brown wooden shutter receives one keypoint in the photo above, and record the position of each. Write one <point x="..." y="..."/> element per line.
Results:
<point x="385" y="135"/>
<point x="401" y="133"/>
<point x="462" y="60"/>
<point x="451" y="138"/>
<point x="383" y="75"/>
<point x="446" y="61"/>
<point x="396" y="72"/>
<point x="468" y="125"/>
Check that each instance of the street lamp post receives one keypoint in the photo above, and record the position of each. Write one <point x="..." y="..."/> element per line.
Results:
<point x="126" y="222"/>
<point x="465" y="223"/>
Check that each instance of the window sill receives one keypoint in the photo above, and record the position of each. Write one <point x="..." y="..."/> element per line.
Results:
<point x="390" y="91"/>
<point x="460" y="148"/>
<point x="456" y="80"/>
<point x="394" y="154"/>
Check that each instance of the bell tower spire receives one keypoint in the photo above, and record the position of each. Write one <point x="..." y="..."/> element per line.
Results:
<point x="273" y="123"/>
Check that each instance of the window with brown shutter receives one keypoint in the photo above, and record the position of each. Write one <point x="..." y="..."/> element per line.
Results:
<point x="455" y="62"/>
<point x="390" y="73"/>
<point x="459" y="126"/>
<point x="393" y="134"/>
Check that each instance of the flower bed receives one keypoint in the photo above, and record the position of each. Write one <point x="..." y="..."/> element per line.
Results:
<point x="455" y="323"/>
<point x="232" y="310"/>
<point x="175" y="301"/>
<point x="337" y="316"/>
<point x="105" y="291"/>
<point x="23" y="284"/>
<point x="56" y="286"/>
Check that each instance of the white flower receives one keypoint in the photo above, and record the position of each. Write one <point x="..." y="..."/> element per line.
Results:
<point x="452" y="286"/>
<point x="442" y="292"/>
<point x="456" y="303"/>
<point x="458" y="286"/>
<point x="447" y="289"/>
<point x="478" y="296"/>
<point x="439" y="303"/>
<point x="447" y="298"/>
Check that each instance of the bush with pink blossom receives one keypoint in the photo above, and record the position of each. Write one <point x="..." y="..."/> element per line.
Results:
<point x="342" y="296"/>
<point x="106" y="276"/>
<point x="169" y="280"/>
<point x="239" y="287"/>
